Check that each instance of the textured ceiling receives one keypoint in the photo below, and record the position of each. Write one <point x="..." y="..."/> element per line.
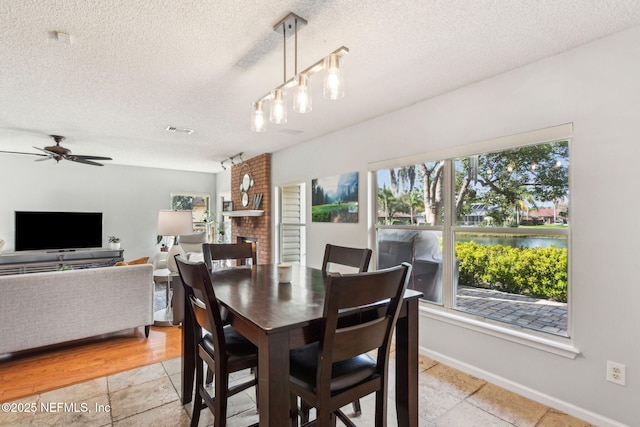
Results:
<point x="135" y="67"/>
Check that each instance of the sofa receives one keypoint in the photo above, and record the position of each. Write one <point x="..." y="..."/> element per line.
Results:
<point x="41" y="309"/>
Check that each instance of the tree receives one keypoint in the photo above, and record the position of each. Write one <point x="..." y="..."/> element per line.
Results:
<point x="182" y="203"/>
<point x="413" y="201"/>
<point x="401" y="178"/>
<point x="517" y="179"/>
<point x="506" y="183"/>
<point x="388" y="203"/>
<point x="432" y="178"/>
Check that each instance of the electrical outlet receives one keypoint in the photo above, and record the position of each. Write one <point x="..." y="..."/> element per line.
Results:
<point x="616" y="372"/>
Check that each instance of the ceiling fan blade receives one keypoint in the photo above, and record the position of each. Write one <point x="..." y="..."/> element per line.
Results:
<point x="78" y="156"/>
<point x="49" y="153"/>
<point x="86" y="162"/>
<point x="43" y="158"/>
<point x="20" y="152"/>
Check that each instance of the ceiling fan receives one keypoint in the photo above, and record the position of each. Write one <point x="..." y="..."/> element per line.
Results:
<point x="58" y="152"/>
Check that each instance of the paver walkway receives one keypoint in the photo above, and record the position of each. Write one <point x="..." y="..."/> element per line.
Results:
<point x="532" y="313"/>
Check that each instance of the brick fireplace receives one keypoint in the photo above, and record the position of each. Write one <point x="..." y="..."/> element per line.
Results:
<point x="253" y="227"/>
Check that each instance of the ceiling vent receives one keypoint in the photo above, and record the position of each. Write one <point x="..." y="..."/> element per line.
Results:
<point x="179" y="130"/>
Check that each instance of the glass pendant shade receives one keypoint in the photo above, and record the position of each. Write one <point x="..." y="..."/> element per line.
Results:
<point x="334" y="78"/>
<point x="302" y="95"/>
<point x="278" y="111"/>
<point x="258" y="123"/>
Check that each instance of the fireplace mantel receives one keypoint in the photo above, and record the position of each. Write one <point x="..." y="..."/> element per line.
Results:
<point x="247" y="212"/>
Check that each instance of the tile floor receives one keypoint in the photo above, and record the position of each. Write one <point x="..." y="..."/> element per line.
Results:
<point x="148" y="396"/>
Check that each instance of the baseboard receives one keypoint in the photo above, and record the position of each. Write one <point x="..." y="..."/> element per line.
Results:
<point x="568" y="408"/>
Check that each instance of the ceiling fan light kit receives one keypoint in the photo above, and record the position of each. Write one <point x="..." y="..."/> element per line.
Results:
<point x="333" y="82"/>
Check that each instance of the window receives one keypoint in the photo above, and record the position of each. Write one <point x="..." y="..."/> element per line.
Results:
<point x="198" y="204"/>
<point x="410" y="217"/>
<point x="487" y="232"/>
<point x="291" y="230"/>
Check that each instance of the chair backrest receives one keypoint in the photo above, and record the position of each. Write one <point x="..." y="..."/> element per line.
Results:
<point x="229" y="251"/>
<point x="203" y="307"/>
<point x="372" y="329"/>
<point x="351" y="257"/>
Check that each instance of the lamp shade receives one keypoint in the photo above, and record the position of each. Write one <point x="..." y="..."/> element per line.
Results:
<point x="258" y="123"/>
<point x="175" y="223"/>
<point x="302" y="94"/>
<point x="334" y="77"/>
<point x="278" y="111"/>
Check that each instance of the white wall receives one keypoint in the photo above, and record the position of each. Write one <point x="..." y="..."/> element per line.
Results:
<point x="128" y="197"/>
<point x="597" y="88"/>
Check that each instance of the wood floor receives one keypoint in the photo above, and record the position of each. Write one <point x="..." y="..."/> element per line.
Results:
<point x="25" y="374"/>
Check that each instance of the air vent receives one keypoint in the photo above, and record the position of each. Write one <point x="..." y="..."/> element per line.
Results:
<point x="179" y="130"/>
<point x="290" y="131"/>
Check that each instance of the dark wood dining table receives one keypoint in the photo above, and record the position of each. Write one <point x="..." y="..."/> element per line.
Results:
<point x="277" y="317"/>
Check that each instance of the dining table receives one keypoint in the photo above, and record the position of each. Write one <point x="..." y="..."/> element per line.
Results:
<point x="277" y="317"/>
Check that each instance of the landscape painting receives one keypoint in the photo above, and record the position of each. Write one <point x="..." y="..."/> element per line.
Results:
<point x="335" y="198"/>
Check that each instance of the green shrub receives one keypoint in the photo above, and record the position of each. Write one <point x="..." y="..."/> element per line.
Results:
<point x="536" y="272"/>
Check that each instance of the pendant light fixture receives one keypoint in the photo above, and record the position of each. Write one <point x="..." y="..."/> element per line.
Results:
<point x="258" y="123"/>
<point x="334" y="78"/>
<point x="302" y="102"/>
<point x="278" y="111"/>
<point x="302" y="94"/>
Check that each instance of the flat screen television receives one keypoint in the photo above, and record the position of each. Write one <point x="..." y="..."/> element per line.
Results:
<point x="36" y="231"/>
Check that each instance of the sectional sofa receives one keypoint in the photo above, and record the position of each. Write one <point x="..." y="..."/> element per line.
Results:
<point x="41" y="309"/>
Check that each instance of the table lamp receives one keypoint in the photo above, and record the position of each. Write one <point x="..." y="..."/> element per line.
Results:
<point x="172" y="223"/>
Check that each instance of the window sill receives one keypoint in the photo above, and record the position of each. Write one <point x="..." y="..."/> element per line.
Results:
<point x="562" y="348"/>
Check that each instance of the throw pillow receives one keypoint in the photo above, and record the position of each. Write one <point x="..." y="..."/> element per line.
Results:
<point x="141" y="260"/>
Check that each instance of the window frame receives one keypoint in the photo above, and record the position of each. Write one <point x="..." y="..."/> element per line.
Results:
<point x="447" y="312"/>
<point x="281" y="224"/>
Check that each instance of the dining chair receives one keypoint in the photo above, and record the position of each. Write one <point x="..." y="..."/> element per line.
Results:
<point x="242" y="252"/>
<point x="350" y="257"/>
<point x="222" y="348"/>
<point x="337" y="369"/>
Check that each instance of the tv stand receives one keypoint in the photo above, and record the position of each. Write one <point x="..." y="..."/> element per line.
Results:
<point x="42" y="261"/>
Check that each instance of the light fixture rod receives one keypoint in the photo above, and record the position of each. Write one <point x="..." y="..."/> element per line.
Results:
<point x="312" y="69"/>
<point x="284" y="37"/>
<point x="295" y="51"/>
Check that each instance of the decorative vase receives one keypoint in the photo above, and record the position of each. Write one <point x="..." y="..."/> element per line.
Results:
<point x="114" y="245"/>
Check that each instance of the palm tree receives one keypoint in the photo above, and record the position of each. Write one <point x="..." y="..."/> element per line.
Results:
<point x="388" y="203"/>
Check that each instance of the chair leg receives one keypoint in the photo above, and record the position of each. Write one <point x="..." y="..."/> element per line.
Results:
<point x="325" y="418"/>
<point x="381" y="409"/>
<point x="304" y="412"/>
<point x="293" y="410"/>
<point x="197" y="399"/>
<point x="356" y="408"/>
<point x="221" y="390"/>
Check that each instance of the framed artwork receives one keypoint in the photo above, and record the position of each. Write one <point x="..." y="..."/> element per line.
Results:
<point x="227" y="206"/>
<point x="335" y="198"/>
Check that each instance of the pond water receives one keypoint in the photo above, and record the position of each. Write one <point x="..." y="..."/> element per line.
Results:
<point x="516" y="241"/>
